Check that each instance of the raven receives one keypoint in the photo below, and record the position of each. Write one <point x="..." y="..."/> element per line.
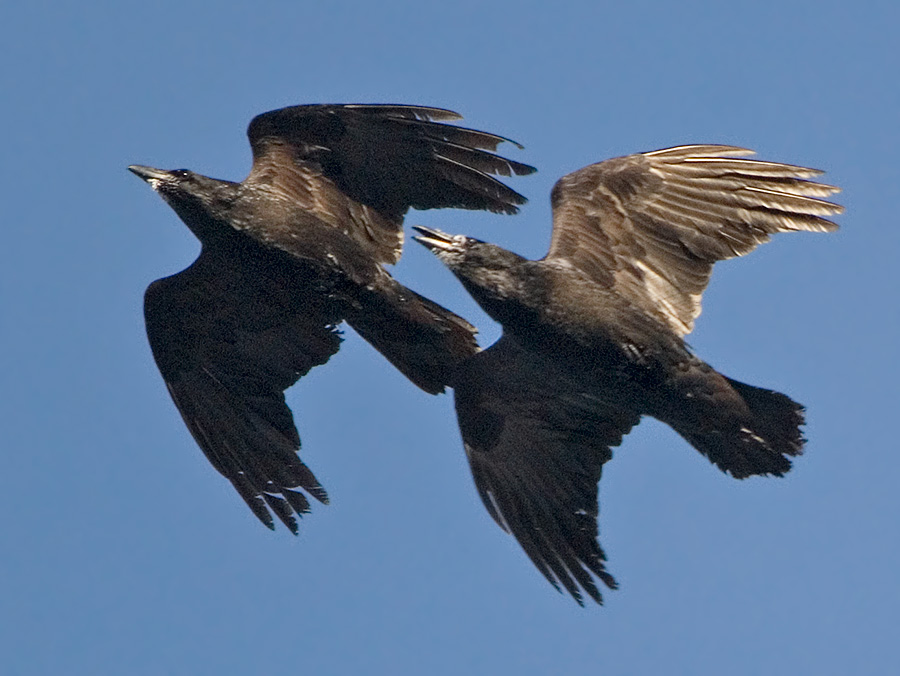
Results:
<point x="290" y="253"/>
<point x="593" y="340"/>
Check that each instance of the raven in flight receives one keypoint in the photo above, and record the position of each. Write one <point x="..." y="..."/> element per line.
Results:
<point x="292" y="251"/>
<point x="593" y="339"/>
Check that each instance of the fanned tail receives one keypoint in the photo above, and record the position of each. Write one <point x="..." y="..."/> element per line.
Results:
<point x="744" y="430"/>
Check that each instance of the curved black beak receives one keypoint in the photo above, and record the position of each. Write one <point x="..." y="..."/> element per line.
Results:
<point x="148" y="173"/>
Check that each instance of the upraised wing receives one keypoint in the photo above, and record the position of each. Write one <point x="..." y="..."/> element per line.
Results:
<point x="361" y="167"/>
<point x="652" y="225"/>
<point x="228" y="342"/>
<point x="536" y="446"/>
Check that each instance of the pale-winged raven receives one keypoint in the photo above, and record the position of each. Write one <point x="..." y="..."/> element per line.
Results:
<point x="289" y="253"/>
<point x="593" y="339"/>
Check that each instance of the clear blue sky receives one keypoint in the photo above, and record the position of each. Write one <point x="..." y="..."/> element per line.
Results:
<point x="123" y="552"/>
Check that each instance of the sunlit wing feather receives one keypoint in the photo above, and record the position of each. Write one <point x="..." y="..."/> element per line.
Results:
<point x="652" y="225"/>
<point x="361" y="167"/>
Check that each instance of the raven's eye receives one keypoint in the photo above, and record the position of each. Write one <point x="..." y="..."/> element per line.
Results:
<point x="181" y="173"/>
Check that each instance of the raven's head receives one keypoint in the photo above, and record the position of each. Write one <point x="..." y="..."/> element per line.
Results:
<point x="466" y="256"/>
<point x="196" y="198"/>
<point x="489" y="272"/>
<point x="175" y="184"/>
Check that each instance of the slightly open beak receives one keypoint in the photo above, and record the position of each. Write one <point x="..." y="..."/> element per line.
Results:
<point x="433" y="239"/>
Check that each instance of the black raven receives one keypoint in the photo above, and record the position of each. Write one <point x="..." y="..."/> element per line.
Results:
<point x="292" y="251"/>
<point x="593" y="339"/>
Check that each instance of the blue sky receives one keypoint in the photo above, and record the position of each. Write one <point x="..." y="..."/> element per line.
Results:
<point x="123" y="552"/>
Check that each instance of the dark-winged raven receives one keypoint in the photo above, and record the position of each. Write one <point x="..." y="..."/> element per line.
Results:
<point x="292" y="251"/>
<point x="593" y="339"/>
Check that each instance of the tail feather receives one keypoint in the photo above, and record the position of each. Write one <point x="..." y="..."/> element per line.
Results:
<point x="777" y="418"/>
<point x="422" y="339"/>
<point x="744" y="430"/>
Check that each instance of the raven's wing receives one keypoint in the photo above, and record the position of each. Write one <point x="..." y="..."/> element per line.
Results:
<point x="652" y="225"/>
<point x="360" y="168"/>
<point x="536" y="445"/>
<point x="228" y="342"/>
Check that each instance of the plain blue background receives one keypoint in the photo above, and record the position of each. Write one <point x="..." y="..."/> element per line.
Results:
<point x="123" y="552"/>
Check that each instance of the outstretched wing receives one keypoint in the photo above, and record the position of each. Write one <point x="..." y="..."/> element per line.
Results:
<point x="652" y="225"/>
<point x="228" y="342"/>
<point x="536" y="446"/>
<point x="361" y="167"/>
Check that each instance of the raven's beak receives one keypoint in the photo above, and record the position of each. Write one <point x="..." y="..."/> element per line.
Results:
<point x="148" y="173"/>
<point x="435" y="240"/>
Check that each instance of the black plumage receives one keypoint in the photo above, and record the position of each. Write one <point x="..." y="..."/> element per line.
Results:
<point x="290" y="253"/>
<point x="593" y="339"/>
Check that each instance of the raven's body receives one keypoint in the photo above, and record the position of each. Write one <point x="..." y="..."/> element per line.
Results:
<point x="607" y="347"/>
<point x="291" y="252"/>
<point x="593" y="340"/>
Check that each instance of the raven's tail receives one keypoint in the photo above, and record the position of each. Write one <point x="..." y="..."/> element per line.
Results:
<point x="422" y="339"/>
<point x="743" y="430"/>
